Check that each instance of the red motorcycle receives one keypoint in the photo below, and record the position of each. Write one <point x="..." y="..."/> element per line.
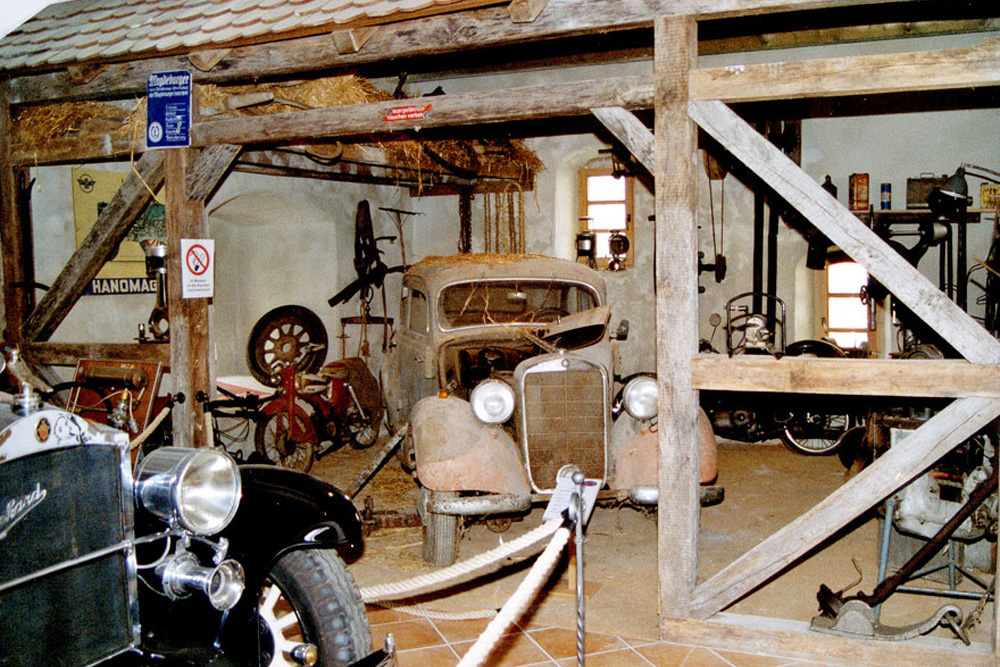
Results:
<point x="317" y="408"/>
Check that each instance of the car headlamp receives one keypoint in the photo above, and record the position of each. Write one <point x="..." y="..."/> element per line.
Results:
<point x="640" y="397"/>
<point x="492" y="401"/>
<point x="197" y="489"/>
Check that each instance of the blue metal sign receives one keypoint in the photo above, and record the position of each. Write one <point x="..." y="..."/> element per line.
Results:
<point x="168" y="109"/>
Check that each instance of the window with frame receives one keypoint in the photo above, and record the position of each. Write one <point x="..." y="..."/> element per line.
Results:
<point x="606" y="208"/>
<point x="846" y="319"/>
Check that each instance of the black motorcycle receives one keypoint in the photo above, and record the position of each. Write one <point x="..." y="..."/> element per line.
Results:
<point x="806" y="424"/>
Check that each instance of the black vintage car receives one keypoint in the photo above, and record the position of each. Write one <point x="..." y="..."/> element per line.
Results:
<point x="188" y="560"/>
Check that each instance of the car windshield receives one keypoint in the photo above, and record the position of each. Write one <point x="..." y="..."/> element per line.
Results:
<point x="489" y="302"/>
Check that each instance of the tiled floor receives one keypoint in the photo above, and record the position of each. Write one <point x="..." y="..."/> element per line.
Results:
<point x="434" y="643"/>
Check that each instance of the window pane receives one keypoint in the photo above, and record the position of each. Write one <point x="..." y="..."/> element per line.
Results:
<point x="605" y="188"/>
<point x="606" y="216"/>
<point x="847" y="312"/>
<point x="846" y="278"/>
<point x="849" y="339"/>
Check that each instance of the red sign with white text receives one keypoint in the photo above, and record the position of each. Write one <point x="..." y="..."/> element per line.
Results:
<point x="409" y="112"/>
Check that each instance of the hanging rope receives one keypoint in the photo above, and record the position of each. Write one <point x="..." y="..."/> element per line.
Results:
<point x="503" y="221"/>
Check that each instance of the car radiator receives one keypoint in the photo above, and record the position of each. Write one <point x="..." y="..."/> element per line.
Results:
<point x="564" y="408"/>
<point x="68" y="511"/>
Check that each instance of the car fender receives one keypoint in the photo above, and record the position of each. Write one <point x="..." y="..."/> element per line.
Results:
<point x="457" y="452"/>
<point x="282" y="510"/>
<point x="635" y="450"/>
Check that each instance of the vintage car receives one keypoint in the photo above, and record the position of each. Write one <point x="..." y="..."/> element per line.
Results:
<point x="190" y="560"/>
<point x="503" y="366"/>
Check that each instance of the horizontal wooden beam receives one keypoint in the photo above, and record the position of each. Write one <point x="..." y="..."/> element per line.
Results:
<point x="792" y="640"/>
<point x="67" y="354"/>
<point x="432" y="36"/>
<point x="970" y="67"/>
<point x="890" y="472"/>
<point x="844" y="229"/>
<point x="858" y="377"/>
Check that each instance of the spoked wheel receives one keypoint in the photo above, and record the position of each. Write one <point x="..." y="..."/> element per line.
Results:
<point x="274" y="439"/>
<point x="310" y="603"/>
<point x="280" y="338"/>
<point x="815" y="434"/>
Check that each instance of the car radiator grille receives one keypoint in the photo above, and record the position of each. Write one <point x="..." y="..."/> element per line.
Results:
<point x="564" y="423"/>
<point x="80" y="614"/>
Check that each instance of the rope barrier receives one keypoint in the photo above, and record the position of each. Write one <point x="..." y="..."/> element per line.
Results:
<point x="494" y="557"/>
<point x="518" y="602"/>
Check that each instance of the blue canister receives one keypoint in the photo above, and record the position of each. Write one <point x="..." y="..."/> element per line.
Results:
<point x="886" y="200"/>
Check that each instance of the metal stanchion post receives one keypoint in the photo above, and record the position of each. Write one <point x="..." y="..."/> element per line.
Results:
<point x="578" y="480"/>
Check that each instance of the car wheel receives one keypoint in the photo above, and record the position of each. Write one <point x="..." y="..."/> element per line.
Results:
<point x="310" y="599"/>
<point x="441" y="532"/>
<point x="273" y="439"/>
<point x="280" y="338"/>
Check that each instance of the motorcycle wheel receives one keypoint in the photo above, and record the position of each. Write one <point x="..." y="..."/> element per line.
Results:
<point x="362" y="433"/>
<point x="816" y="434"/>
<point x="277" y="341"/>
<point x="310" y="598"/>
<point x="271" y="438"/>
<point x="441" y="532"/>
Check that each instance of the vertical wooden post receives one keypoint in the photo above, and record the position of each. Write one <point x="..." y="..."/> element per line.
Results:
<point x="189" y="335"/>
<point x="15" y="251"/>
<point x="676" y="49"/>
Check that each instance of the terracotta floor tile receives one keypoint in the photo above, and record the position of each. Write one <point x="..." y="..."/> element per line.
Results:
<point x="703" y="657"/>
<point x="664" y="655"/>
<point x="514" y="650"/>
<point x="750" y="660"/>
<point x="463" y="631"/>
<point x="622" y="658"/>
<point x="409" y="635"/>
<point x="561" y="643"/>
<point x="439" y="656"/>
<point x="378" y="615"/>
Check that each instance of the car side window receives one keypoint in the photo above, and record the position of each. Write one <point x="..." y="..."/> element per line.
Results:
<point x="418" y="311"/>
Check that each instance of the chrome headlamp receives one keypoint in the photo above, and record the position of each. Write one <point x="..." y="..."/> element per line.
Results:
<point x="492" y="401"/>
<point x="640" y="397"/>
<point x="196" y="489"/>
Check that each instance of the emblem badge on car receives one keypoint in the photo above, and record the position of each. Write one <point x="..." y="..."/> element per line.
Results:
<point x="42" y="430"/>
<point x="16" y="509"/>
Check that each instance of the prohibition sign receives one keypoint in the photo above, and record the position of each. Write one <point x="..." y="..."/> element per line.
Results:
<point x="197" y="259"/>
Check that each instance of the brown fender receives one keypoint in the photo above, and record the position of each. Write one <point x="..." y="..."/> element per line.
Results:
<point x="636" y="459"/>
<point x="457" y="452"/>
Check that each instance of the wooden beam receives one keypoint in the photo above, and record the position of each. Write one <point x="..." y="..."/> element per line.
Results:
<point x="352" y="40"/>
<point x="208" y="170"/>
<point x="432" y="36"/>
<point x="629" y="130"/>
<point x="103" y="239"/>
<point x="474" y="108"/>
<point x="15" y="246"/>
<point x="794" y="642"/>
<point x="858" y="377"/>
<point x="189" y="334"/>
<point x="67" y="354"/>
<point x="676" y="291"/>
<point x="969" y="67"/>
<point x="890" y="472"/>
<point x="846" y="231"/>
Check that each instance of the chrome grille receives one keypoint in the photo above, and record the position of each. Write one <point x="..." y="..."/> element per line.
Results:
<point x="563" y="420"/>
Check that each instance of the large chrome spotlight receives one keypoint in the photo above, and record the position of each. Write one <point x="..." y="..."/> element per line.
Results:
<point x="196" y="489"/>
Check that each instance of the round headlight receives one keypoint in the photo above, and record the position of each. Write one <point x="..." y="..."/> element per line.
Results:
<point x="197" y="489"/>
<point x="492" y="401"/>
<point x="640" y="397"/>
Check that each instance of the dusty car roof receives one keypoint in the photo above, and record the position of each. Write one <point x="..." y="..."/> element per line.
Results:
<point x="437" y="271"/>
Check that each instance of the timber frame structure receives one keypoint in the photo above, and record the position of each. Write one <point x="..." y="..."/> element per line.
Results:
<point x="685" y="98"/>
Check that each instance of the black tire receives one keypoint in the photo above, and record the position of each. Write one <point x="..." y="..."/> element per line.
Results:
<point x="278" y="340"/>
<point x="441" y="532"/>
<point x="816" y="434"/>
<point x="272" y="441"/>
<point x="314" y="585"/>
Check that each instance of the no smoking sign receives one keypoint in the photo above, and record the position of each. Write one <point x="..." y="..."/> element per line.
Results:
<point x="197" y="268"/>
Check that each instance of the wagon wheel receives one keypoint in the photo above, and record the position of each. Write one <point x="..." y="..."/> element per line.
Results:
<point x="284" y="337"/>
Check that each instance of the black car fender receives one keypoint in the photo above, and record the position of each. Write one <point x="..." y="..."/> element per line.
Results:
<point x="282" y="510"/>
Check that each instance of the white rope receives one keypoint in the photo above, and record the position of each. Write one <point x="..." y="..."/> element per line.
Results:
<point x="148" y="431"/>
<point x="436" y="579"/>
<point x="518" y="602"/>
